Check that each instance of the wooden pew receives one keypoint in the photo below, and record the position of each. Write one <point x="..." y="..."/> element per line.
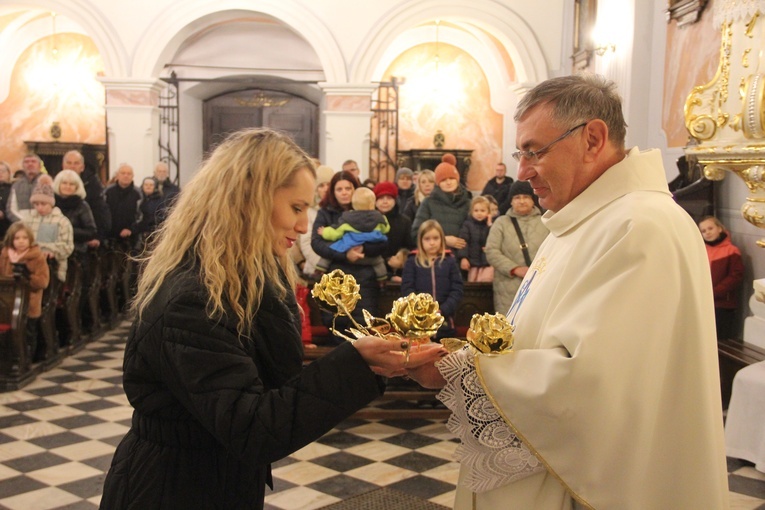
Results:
<point x="735" y="355"/>
<point x="70" y="327"/>
<point x="16" y="369"/>
<point x="92" y="289"/>
<point x="52" y="354"/>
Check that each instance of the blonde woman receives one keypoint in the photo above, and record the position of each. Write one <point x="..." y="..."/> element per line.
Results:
<point x="213" y="363"/>
<point x="426" y="181"/>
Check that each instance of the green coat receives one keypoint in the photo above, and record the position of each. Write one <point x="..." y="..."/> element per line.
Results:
<point x="449" y="209"/>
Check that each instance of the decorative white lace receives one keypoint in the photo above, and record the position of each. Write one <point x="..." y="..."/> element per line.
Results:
<point x="736" y="10"/>
<point x="493" y="455"/>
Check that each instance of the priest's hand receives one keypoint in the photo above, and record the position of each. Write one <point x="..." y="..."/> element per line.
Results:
<point x="427" y="375"/>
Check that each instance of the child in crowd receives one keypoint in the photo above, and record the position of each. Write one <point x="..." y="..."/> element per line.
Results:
<point x="727" y="274"/>
<point x="432" y="269"/>
<point x="493" y="208"/>
<point x="51" y="228"/>
<point x="360" y="225"/>
<point x="474" y="231"/>
<point x="396" y="263"/>
<point x="20" y="254"/>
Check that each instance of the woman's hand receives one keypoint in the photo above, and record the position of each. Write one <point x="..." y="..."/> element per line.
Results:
<point x="388" y="357"/>
<point x="354" y="254"/>
<point x="455" y="242"/>
<point x="465" y="264"/>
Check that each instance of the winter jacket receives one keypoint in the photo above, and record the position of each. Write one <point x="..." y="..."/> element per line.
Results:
<point x="442" y="280"/>
<point x="94" y="196"/>
<point x="213" y="410"/>
<point x="727" y="271"/>
<point x="356" y="221"/>
<point x="18" y="206"/>
<point x="78" y="212"/>
<point x="53" y="233"/>
<point x="503" y="251"/>
<point x="123" y="207"/>
<point x="449" y="209"/>
<point x="364" y="274"/>
<point x="5" y="195"/>
<point x="152" y="210"/>
<point x="404" y="195"/>
<point x="39" y="276"/>
<point x="499" y="191"/>
<point x="475" y="234"/>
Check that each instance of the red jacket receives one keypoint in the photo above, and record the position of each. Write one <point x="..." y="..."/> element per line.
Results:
<point x="727" y="272"/>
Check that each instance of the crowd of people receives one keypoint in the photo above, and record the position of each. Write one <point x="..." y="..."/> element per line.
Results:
<point x="67" y="218"/>
<point x="604" y="279"/>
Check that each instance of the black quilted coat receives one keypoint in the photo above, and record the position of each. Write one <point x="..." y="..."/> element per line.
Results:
<point x="212" y="410"/>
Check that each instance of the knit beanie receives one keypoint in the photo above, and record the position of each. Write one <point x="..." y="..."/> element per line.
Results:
<point x="447" y="169"/>
<point x="323" y="174"/>
<point x="43" y="191"/>
<point x="386" y="188"/>
<point x="404" y="171"/>
<point x="521" y="188"/>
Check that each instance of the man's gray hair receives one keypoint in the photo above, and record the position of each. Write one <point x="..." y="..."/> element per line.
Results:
<point x="576" y="99"/>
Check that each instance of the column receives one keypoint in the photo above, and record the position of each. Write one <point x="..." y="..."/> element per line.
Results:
<point x="132" y="123"/>
<point x="346" y="116"/>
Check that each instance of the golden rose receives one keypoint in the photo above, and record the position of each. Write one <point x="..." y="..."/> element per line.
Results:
<point x="416" y="315"/>
<point x="490" y="334"/>
<point x="338" y="291"/>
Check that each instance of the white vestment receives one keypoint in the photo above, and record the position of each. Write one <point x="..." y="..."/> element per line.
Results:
<point x="614" y="380"/>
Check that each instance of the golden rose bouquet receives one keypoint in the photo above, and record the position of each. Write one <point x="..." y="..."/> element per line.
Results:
<point x="338" y="293"/>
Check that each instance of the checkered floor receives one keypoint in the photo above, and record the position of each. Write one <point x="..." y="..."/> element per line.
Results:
<point x="57" y="436"/>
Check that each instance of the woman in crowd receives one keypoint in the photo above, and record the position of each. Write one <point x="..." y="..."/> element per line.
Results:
<point x="70" y="198"/>
<point x="400" y="226"/>
<point x="449" y="203"/>
<point x="521" y="225"/>
<point x="213" y="364"/>
<point x="5" y="193"/>
<point x="405" y="185"/>
<point x="152" y="210"/>
<point x="302" y="252"/>
<point x="335" y="203"/>
<point x="426" y="181"/>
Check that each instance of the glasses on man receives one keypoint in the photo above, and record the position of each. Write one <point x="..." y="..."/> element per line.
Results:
<point x="533" y="156"/>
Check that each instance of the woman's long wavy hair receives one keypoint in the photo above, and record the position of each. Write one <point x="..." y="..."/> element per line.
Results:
<point x="221" y="222"/>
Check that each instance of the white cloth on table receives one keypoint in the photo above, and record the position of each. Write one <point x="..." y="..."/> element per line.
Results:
<point x="745" y="424"/>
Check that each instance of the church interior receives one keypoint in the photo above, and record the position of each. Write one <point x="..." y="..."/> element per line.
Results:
<point x="387" y="84"/>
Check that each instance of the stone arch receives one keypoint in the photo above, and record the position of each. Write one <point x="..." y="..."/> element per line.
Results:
<point x="495" y="19"/>
<point x="171" y="27"/>
<point x="96" y="26"/>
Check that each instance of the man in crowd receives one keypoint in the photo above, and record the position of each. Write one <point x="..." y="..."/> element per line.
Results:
<point x="352" y="167"/>
<point x="165" y="185"/>
<point x="94" y="194"/>
<point x="499" y="185"/>
<point x="123" y="199"/>
<point x="19" y="206"/>
<point x="611" y="398"/>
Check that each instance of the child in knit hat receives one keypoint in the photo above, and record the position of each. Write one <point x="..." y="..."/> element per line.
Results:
<point x="51" y="228"/>
<point x="360" y="225"/>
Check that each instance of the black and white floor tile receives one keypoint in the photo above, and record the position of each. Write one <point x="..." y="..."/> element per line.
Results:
<point x="57" y="436"/>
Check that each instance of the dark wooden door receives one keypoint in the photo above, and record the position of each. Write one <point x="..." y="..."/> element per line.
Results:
<point x="261" y="108"/>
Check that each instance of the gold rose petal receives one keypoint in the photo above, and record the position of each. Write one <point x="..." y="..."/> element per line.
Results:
<point x="453" y="344"/>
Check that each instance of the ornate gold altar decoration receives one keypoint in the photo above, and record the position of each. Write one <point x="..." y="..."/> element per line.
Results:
<point x="261" y="100"/>
<point x="727" y="115"/>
